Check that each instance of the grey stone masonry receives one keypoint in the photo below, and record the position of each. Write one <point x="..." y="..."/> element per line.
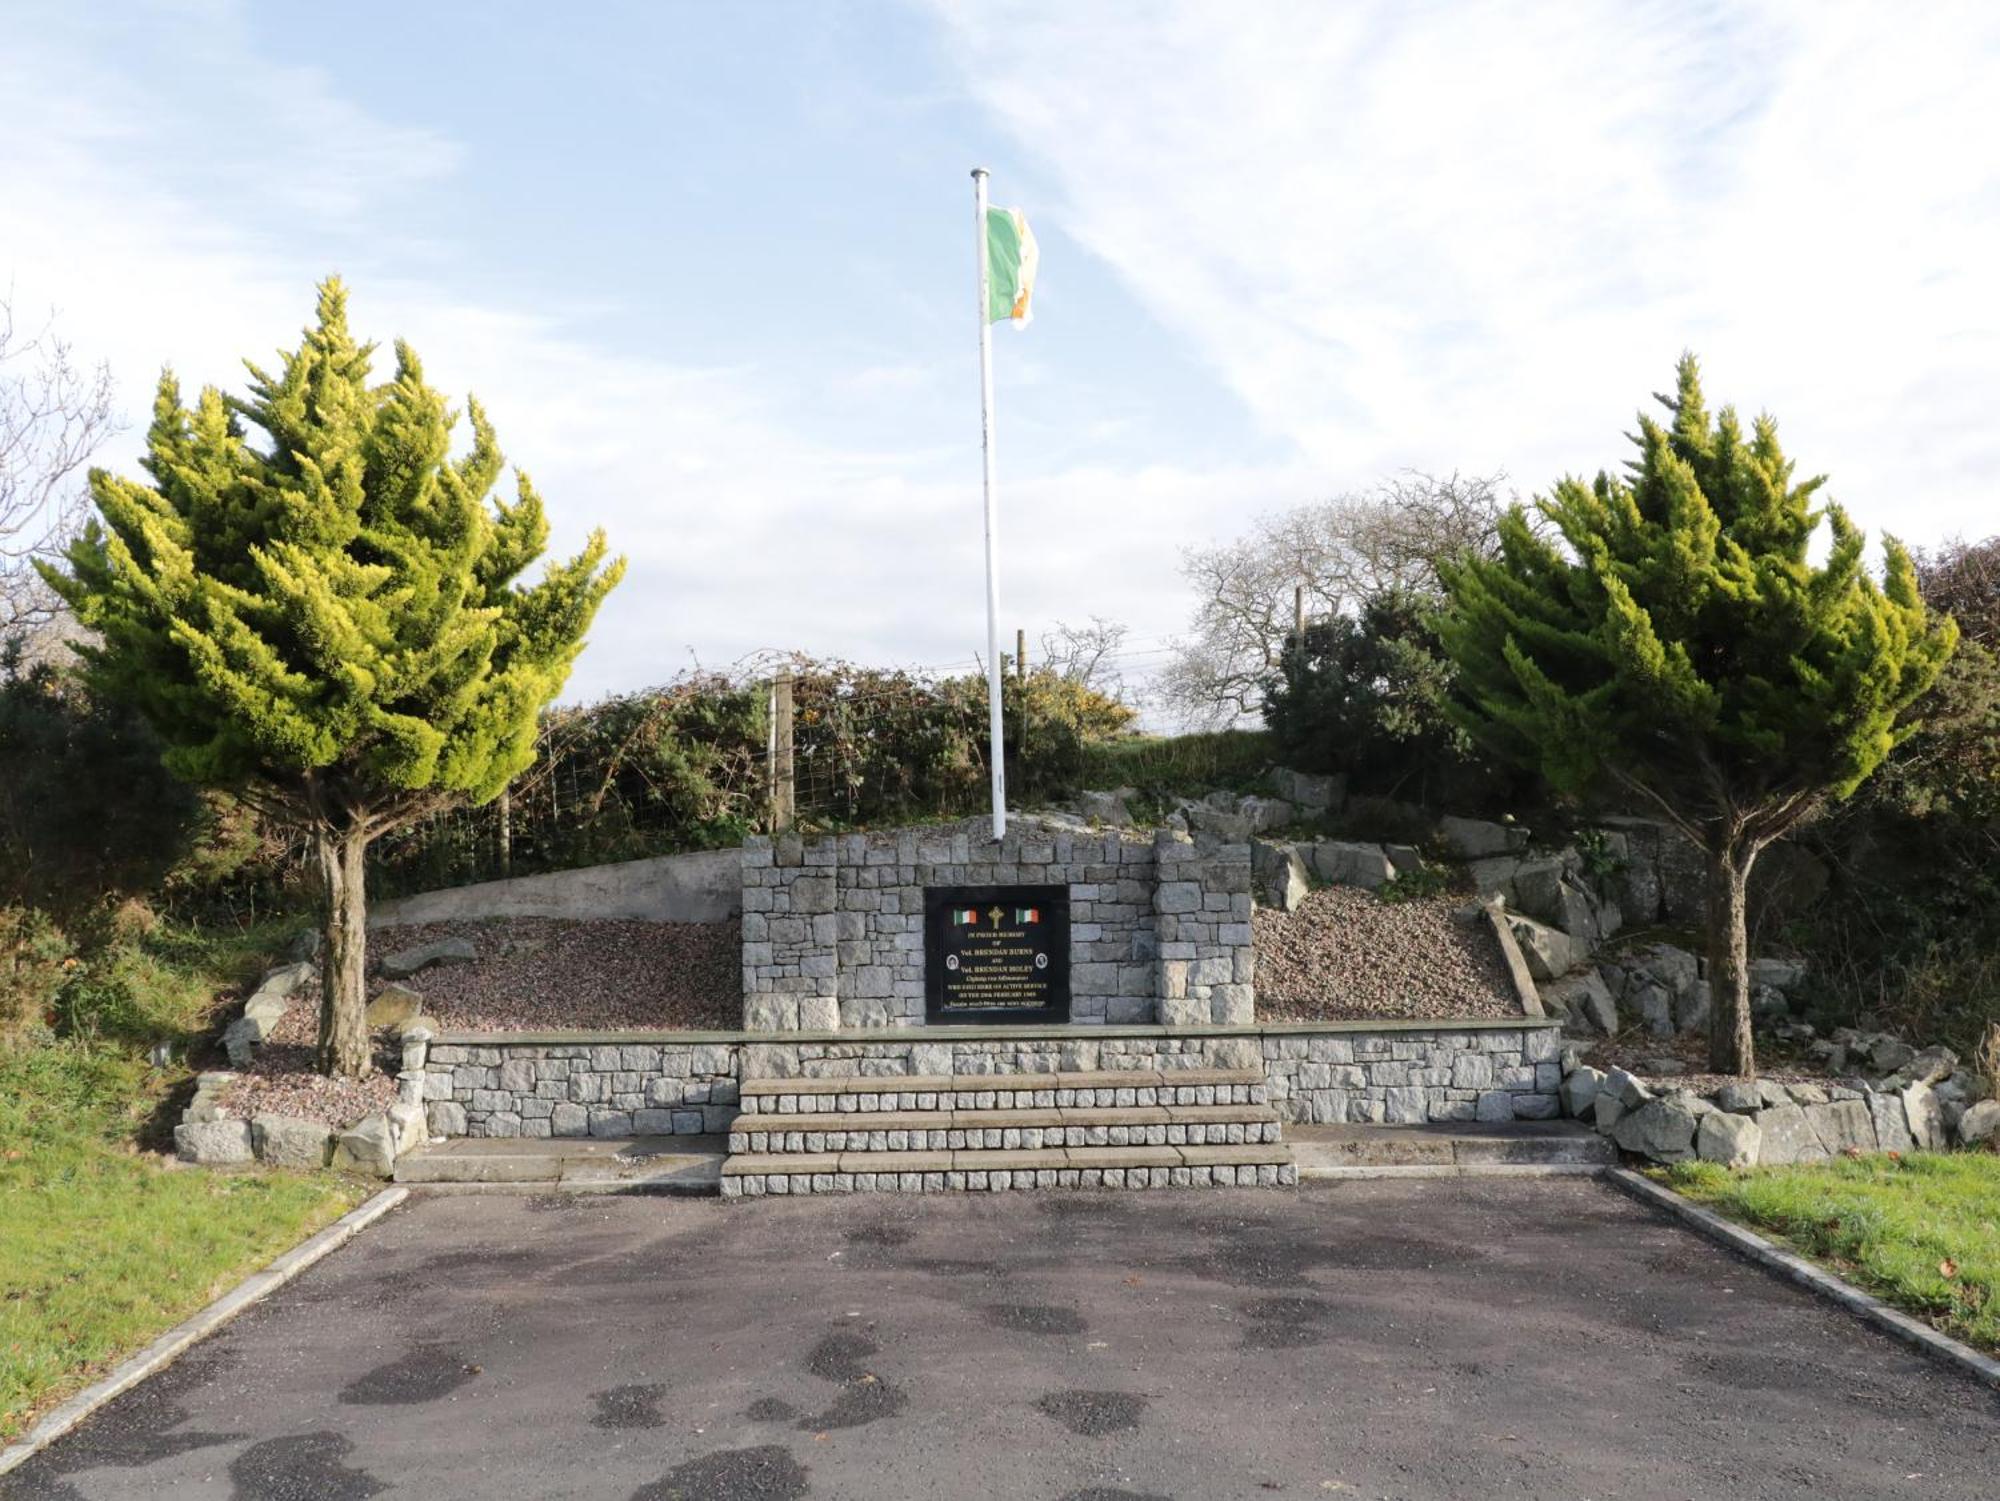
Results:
<point x="502" y="1088"/>
<point x="833" y="927"/>
<point x="637" y="1084"/>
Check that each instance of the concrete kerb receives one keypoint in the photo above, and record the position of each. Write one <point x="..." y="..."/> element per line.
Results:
<point x="1795" y="1268"/>
<point x="169" y="1346"/>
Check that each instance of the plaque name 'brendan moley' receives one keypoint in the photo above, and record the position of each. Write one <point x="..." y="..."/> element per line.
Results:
<point x="996" y="953"/>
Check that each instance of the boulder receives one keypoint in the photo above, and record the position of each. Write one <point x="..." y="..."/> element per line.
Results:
<point x="1475" y="839"/>
<point x="1226" y="825"/>
<point x="1626" y="1088"/>
<point x="1495" y="877"/>
<point x="1691" y="1008"/>
<point x="305" y="945"/>
<point x="1662" y="1130"/>
<point x="1891" y="1121"/>
<point x="1933" y="1066"/>
<point x="240" y="1039"/>
<point x="1278" y="875"/>
<point x="368" y="1147"/>
<point x="1887" y="1054"/>
<point x="407" y="1127"/>
<point x="1107" y="808"/>
<point x="1343" y="864"/>
<point x="1312" y="795"/>
<point x="1606" y="1111"/>
<point x="406" y="962"/>
<point x="1728" y="1138"/>
<point x="1404" y="859"/>
<point x="1586" y="999"/>
<point x="1266" y="813"/>
<point x="1807" y="1094"/>
<point x="394" y="1005"/>
<point x="1842" y="1125"/>
<point x="1661" y="1067"/>
<point x="1655" y="1005"/>
<point x="1788" y="1136"/>
<point x="1980" y="1124"/>
<point x="287" y="1141"/>
<point x="1576" y="914"/>
<point x="214" y="1143"/>
<point x="1538" y="889"/>
<point x="1740" y="1098"/>
<point x="1779" y="974"/>
<point x="1579" y="1092"/>
<point x="1766" y="1004"/>
<point x="1926" y="1119"/>
<point x="1549" y="952"/>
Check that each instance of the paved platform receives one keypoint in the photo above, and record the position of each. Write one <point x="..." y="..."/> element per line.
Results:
<point x="1453" y="1340"/>
<point x="1524" y="1147"/>
<point x="633" y="1164"/>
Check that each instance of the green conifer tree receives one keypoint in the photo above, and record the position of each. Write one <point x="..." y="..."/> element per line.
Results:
<point x="1673" y="641"/>
<point x="329" y="622"/>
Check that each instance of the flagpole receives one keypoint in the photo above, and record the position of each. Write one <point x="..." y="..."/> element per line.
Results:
<point x="997" y="749"/>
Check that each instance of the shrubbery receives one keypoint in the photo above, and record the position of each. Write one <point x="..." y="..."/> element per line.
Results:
<point x="1365" y="696"/>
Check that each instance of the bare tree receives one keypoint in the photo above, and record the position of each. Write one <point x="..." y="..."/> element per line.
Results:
<point x="53" y="416"/>
<point x="1087" y="654"/>
<point x="1341" y="552"/>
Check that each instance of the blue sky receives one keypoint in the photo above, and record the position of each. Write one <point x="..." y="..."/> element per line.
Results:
<point x="710" y="265"/>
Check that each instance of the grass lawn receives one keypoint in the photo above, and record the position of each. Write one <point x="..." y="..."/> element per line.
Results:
<point x="104" y="1245"/>
<point x="1922" y="1233"/>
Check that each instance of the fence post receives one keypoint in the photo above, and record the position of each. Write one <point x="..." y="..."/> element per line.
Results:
<point x="504" y="835"/>
<point x="779" y="758"/>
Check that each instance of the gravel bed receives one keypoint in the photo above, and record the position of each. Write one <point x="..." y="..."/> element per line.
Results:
<point x="1345" y="956"/>
<point x="543" y="974"/>
<point x="534" y="974"/>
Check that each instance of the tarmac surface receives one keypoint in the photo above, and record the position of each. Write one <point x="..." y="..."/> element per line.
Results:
<point x="1411" y="1339"/>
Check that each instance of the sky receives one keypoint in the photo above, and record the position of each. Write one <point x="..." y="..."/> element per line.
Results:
<point x="711" y="267"/>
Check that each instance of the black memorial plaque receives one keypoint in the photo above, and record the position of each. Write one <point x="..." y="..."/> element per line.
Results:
<point x="996" y="953"/>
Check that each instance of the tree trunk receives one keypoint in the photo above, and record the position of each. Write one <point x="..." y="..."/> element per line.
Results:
<point x="343" y="1006"/>
<point x="1731" y="1049"/>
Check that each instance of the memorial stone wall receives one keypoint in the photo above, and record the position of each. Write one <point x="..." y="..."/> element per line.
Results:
<point x="834" y="927"/>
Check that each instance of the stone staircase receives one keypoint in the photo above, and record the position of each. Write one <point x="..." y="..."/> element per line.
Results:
<point x="1132" y="1128"/>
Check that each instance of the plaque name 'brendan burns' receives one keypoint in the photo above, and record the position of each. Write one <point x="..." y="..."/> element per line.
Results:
<point x="996" y="953"/>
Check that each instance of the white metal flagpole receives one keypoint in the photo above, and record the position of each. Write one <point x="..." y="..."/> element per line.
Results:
<point x="997" y="751"/>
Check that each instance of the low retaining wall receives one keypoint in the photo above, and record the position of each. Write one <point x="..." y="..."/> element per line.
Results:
<point x="642" y="1084"/>
<point x="706" y="886"/>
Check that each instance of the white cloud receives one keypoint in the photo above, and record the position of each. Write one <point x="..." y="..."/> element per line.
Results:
<point x="743" y="534"/>
<point x="1476" y="235"/>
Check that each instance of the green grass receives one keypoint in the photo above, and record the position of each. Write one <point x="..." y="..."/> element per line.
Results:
<point x="104" y="1245"/>
<point x="1922" y="1232"/>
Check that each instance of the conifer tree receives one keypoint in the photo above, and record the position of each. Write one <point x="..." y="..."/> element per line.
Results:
<point x="1673" y="641"/>
<point x="329" y="621"/>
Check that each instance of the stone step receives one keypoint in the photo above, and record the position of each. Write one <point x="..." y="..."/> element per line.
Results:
<point x="753" y="1175"/>
<point x="1120" y="1089"/>
<point x="1030" y="1129"/>
<point x="1450" y="1150"/>
<point x="658" y="1164"/>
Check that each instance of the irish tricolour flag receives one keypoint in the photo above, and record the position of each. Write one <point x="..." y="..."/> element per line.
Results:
<point x="1011" y="258"/>
<point x="964" y="916"/>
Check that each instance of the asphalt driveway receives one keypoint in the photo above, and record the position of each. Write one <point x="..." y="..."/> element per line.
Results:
<point x="1473" y="1339"/>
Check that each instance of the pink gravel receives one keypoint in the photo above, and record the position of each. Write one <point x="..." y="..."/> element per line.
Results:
<point x="1343" y="955"/>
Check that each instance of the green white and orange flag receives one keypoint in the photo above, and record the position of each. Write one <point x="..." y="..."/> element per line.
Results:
<point x="1011" y="259"/>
